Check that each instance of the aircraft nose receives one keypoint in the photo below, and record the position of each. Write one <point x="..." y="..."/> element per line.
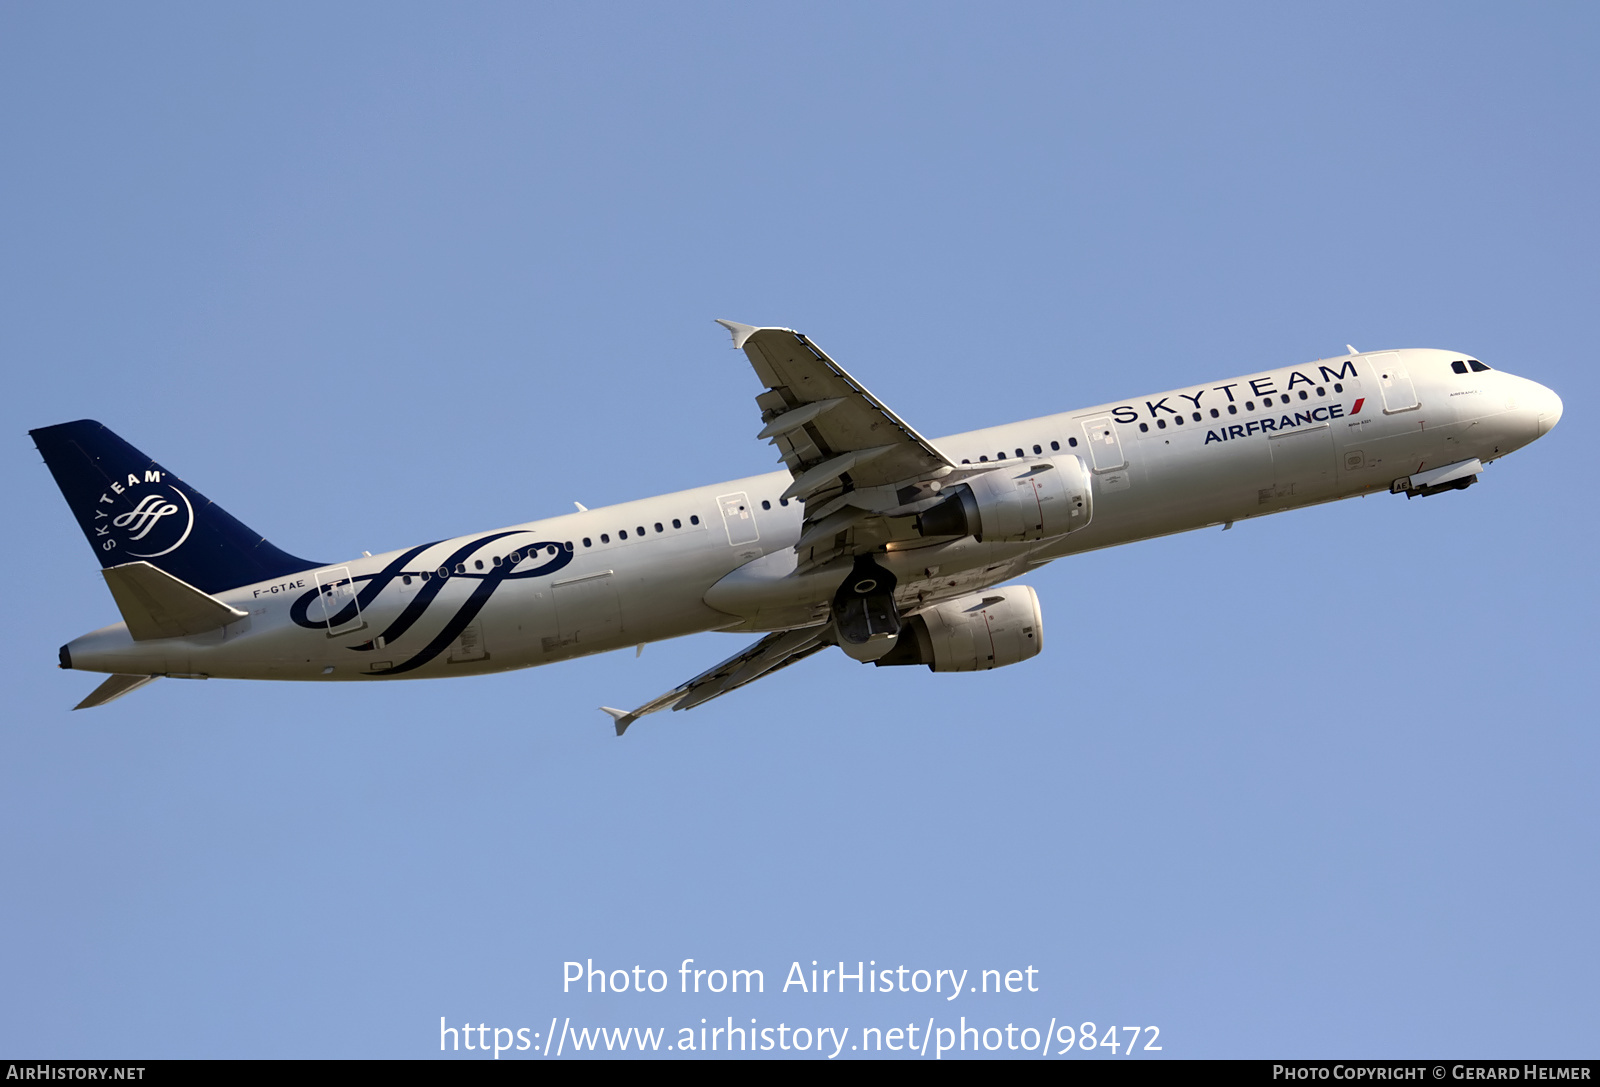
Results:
<point x="1548" y="405"/>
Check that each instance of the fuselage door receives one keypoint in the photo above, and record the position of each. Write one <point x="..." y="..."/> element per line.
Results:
<point x="1104" y="446"/>
<point x="738" y="518"/>
<point x="1395" y="382"/>
<point x="341" y="610"/>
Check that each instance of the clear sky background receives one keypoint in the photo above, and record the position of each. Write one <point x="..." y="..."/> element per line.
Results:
<point x="369" y="275"/>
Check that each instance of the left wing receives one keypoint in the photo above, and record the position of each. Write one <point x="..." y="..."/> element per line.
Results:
<point x="775" y="651"/>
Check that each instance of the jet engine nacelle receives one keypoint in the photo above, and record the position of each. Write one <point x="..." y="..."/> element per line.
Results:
<point x="972" y="633"/>
<point x="1031" y="500"/>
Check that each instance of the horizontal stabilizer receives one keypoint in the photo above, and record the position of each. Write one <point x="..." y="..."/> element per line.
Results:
<point x="155" y="604"/>
<point x="113" y="689"/>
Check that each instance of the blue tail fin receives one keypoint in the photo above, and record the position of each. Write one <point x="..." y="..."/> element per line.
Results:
<point x="134" y="510"/>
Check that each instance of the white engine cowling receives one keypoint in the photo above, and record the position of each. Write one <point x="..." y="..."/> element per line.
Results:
<point x="1031" y="500"/>
<point x="972" y="633"/>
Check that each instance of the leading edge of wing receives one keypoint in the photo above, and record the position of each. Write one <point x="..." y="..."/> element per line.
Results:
<point x="777" y="650"/>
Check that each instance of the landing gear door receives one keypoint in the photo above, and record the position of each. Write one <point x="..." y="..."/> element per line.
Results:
<point x="341" y="609"/>
<point x="1394" y="381"/>
<point x="1105" y="448"/>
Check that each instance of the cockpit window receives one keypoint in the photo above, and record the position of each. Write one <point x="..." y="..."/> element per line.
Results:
<point x="1458" y="366"/>
<point x="1477" y="367"/>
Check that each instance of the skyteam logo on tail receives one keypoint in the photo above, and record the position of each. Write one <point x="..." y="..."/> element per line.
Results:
<point x="158" y="524"/>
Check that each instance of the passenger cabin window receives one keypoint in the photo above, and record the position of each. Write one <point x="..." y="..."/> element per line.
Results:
<point x="1037" y="450"/>
<point x="1020" y="453"/>
<point x="694" y="518"/>
<point x="676" y="523"/>
<point x="605" y="537"/>
<point x="586" y="542"/>
<point x="659" y="528"/>
<point x="765" y="504"/>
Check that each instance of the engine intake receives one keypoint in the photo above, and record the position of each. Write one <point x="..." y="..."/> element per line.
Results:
<point x="972" y="633"/>
<point x="1032" y="500"/>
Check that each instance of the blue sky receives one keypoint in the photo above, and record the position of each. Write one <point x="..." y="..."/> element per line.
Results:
<point x="374" y="274"/>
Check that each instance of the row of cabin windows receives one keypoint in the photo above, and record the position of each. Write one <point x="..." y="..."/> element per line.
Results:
<point x="1038" y="450"/>
<point x="1160" y="425"/>
<point x="605" y="538"/>
<point x="694" y="519"/>
<point x="622" y="533"/>
<point x="550" y="549"/>
<point x="477" y="564"/>
<point x="1249" y="405"/>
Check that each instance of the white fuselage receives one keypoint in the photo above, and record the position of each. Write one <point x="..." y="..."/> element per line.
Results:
<point x="722" y="557"/>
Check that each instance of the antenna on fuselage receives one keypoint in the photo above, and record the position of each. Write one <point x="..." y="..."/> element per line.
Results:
<point x="1350" y="347"/>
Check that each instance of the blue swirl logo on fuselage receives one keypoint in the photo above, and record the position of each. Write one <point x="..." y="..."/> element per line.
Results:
<point x="538" y="558"/>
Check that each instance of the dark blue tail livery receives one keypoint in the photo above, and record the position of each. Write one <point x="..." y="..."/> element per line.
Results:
<point x="134" y="510"/>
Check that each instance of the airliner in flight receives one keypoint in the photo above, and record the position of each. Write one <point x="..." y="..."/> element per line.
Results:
<point x="895" y="548"/>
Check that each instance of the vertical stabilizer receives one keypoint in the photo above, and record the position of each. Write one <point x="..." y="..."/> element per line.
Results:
<point x="132" y="509"/>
